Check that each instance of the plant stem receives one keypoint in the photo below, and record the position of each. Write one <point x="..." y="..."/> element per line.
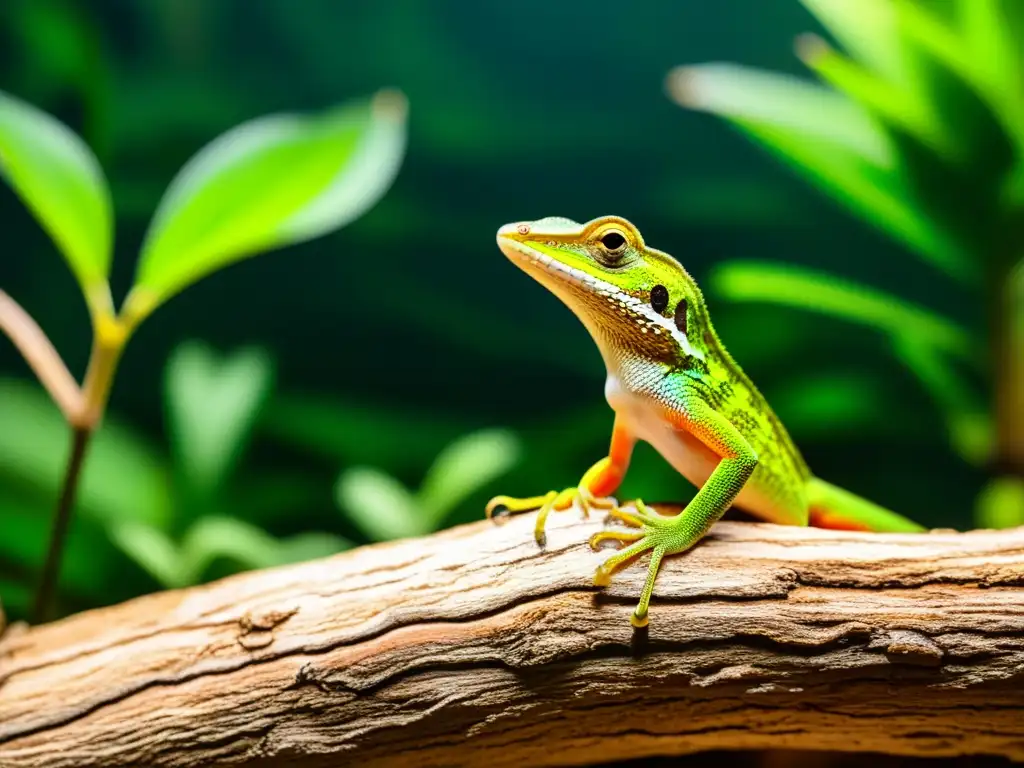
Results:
<point x="61" y="520"/>
<point x="41" y="356"/>
<point x="109" y="340"/>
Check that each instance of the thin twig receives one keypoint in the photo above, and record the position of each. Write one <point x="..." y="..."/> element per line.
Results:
<point x="41" y="356"/>
<point x="61" y="519"/>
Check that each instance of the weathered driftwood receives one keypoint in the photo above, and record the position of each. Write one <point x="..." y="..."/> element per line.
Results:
<point x="472" y="647"/>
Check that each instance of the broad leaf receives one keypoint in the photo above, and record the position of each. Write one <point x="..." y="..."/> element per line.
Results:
<point x="212" y="404"/>
<point x="466" y="465"/>
<point x="271" y="182"/>
<point x="380" y="505"/>
<point x="830" y="295"/>
<point x="60" y="181"/>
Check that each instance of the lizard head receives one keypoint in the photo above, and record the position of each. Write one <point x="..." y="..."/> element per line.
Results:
<point x="633" y="299"/>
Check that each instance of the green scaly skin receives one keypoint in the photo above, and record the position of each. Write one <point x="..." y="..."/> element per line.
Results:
<point x="671" y="383"/>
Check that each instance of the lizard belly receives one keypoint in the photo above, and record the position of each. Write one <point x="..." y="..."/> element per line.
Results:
<point x="684" y="452"/>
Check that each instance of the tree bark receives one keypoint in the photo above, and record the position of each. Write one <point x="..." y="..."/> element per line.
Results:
<point x="474" y="647"/>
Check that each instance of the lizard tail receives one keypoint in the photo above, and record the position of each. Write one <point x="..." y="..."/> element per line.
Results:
<point x="838" y="509"/>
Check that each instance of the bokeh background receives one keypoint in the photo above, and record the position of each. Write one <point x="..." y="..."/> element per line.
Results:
<point x="400" y="369"/>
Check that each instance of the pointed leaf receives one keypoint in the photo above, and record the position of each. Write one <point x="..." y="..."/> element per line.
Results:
<point x="831" y="295"/>
<point x="789" y="105"/>
<point x="59" y="179"/>
<point x="992" y="30"/>
<point x="380" y="505"/>
<point x="214" y="536"/>
<point x="271" y="182"/>
<point x="877" y="200"/>
<point x="469" y="463"/>
<point x="866" y="29"/>
<point x="901" y="106"/>
<point x="829" y="140"/>
<point x="212" y="404"/>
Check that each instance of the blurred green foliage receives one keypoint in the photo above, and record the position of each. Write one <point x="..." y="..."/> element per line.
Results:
<point x="919" y="130"/>
<point x="367" y="362"/>
<point x="271" y="182"/>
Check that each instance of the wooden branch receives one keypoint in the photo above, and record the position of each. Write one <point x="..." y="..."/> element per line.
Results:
<point x="472" y="647"/>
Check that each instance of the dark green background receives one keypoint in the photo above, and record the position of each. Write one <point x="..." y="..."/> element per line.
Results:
<point x="518" y="111"/>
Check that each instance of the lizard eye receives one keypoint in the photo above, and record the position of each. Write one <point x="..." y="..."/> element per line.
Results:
<point x="614" y="242"/>
<point x="659" y="298"/>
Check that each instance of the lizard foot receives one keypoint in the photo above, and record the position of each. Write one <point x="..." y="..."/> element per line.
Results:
<point x="552" y="500"/>
<point x="659" y="534"/>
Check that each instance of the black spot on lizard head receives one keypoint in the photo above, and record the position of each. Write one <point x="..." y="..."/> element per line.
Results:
<point x="680" y="316"/>
<point x="659" y="298"/>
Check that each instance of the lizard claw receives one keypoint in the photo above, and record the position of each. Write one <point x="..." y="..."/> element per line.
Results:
<point x="579" y="496"/>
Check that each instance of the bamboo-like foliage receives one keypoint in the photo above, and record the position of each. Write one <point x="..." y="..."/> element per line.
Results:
<point x="916" y="125"/>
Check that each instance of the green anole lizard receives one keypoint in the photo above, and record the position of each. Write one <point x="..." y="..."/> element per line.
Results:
<point x="671" y="383"/>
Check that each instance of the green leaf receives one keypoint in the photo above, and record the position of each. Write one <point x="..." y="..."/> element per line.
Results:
<point x="380" y="505"/>
<point x="903" y="107"/>
<point x="790" y="105"/>
<point x="876" y="199"/>
<point x="152" y="549"/>
<point x="271" y="182"/>
<point x="826" y="137"/>
<point x="830" y="295"/>
<point x="212" y="404"/>
<point x="992" y="30"/>
<point x="61" y="182"/>
<point x="464" y="466"/>
<point x="124" y="478"/>
<point x="866" y="29"/>
<point x="214" y="537"/>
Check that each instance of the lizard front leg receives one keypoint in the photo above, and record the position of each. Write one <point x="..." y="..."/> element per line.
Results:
<point x="594" y="489"/>
<point x="669" y="535"/>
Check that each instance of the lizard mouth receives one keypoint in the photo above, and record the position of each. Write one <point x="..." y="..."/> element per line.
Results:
<point x="533" y="261"/>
